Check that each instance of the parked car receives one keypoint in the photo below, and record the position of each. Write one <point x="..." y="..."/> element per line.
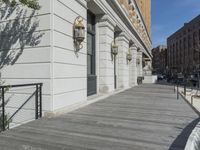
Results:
<point x="193" y="78"/>
<point x="161" y="77"/>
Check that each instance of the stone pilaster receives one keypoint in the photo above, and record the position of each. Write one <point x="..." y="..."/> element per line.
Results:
<point x="106" y="65"/>
<point x="139" y="66"/>
<point x="133" y="67"/>
<point x="123" y="65"/>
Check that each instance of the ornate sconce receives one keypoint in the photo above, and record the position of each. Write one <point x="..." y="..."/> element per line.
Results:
<point x="79" y="33"/>
<point x="129" y="56"/>
<point x="138" y="61"/>
<point x="114" y="48"/>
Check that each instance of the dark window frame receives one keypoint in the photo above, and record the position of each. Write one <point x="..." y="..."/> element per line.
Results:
<point x="92" y="31"/>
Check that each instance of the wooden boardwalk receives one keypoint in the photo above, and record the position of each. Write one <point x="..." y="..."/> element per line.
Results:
<point x="148" y="117"/>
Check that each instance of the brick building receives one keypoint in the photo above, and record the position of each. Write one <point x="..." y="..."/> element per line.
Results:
<point x="145" y="7"/>
<point x="183" y="48"/>
<point x="159" y="61"/>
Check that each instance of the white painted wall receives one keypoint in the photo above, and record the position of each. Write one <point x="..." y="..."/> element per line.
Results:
<point x="69" y="68"/>
<point x="26" y="38"/>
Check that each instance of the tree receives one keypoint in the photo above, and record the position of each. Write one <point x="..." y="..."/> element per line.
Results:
<point x="29" y="3"/>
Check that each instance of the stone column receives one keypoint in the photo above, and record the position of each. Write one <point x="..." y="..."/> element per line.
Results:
<point x="123" y="65"/>
<point x="133" y="67"/>
<point x="106" y="65"/>
<point x="139" y="67"/>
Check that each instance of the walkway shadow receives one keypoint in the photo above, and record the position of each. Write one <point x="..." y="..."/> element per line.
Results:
<point x="16" y="33"/>
<point x="164" y="83"/>
<point x="181" y="141"/>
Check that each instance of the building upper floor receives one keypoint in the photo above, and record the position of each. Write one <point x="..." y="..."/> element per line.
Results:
<point x="139" y="14"/>
<point x="145" y="8"/>
<point x="187" y="37"/>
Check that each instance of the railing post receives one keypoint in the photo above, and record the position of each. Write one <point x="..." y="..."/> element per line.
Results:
<point x="36" y="103"/>
<point x="177" y="91"/>
<point x="185" y="89"/>
<point x="3" y="108"/>
<point x="40" y="100"/>
<point x="174" y="88"/>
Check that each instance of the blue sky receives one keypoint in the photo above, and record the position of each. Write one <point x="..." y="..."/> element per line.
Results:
<point x="170" y="15"/>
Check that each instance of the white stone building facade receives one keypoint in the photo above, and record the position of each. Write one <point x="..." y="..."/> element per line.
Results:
<point x="44" y="50"/>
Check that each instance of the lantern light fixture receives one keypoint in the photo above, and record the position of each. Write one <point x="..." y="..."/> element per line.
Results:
<point x="138" y="61"/>
<point x="79" y="32"/>
<point x="129" y="56"/>
<point x="114" y="48"/>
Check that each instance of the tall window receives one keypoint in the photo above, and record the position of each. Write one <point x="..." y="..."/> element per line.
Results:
<point x="181" y="52"/>
<point x="177" y="54"/>
<point x="91" y="44"/>
<point x="194" y="39"/>
<point x="91" y="62"/>
<point x="184" y="50"/>
<point x="194" y="45"/>
<point x="189" y="43"/>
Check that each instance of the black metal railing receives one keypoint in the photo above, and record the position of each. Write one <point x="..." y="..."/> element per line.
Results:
<point x="4" y="119"/>
<point x="185" y="84"/>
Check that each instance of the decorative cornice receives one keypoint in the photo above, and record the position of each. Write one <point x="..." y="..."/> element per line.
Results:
<point x="132" y="11"/>
<point x="107" y="18"/>
<point x="123" y="36"/>
<point x="133" y="47"/>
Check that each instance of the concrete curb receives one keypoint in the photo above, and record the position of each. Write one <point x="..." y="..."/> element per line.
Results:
<point x="193" y="142"/>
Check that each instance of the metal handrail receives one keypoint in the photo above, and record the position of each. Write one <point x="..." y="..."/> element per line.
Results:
<point x="20" y="85"/>
<point x="38" y="101"/>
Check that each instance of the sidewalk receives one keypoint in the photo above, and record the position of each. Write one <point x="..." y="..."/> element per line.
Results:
<point x="148" y="117"/>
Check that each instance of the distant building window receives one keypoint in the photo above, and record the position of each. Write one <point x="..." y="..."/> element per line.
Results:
<point x="184" y="43"/>
<point x="189" y="41"/>
<point x="199" y="35"/>
<point x="194" y="39"/>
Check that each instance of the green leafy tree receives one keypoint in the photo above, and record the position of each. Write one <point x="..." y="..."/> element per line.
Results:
<point x="29" y="3"/>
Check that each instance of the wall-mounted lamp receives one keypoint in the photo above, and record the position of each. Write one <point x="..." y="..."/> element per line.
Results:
<point x="79" y="33"/>
<point x="114" y="48"/>
<point x="129" y="56"/>
<point x="138" y="61"/>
